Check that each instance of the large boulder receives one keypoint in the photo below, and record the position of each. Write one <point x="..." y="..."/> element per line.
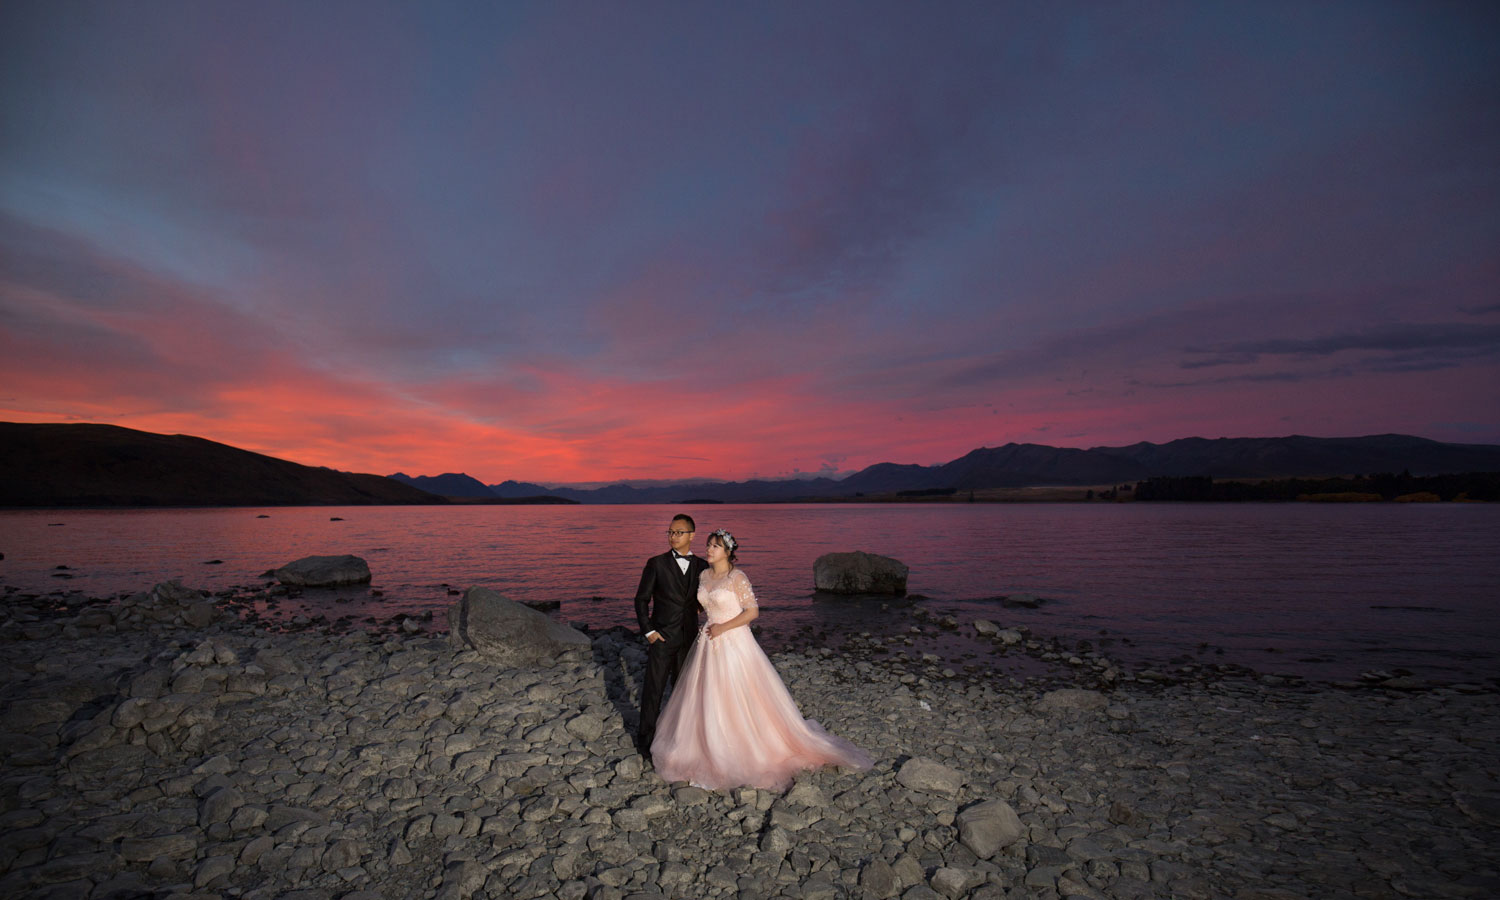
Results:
<point x="859" y="573"/>
<point x="324" y="571"/>
<point x="508" y="632"/>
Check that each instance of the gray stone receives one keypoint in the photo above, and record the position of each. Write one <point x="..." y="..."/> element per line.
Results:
<point x="985" y="828"/>
<point x="674" y="877"/>
<point x="38" y="714"/>
<point x="172" y="846"/>
<point x="949" y="882"/>
<point x="777" y="840"/>
<point x="931" y="777"/>
<point x="172" y="593"/>
<point x="341" y="855"/>
<point x="819" y="887"/>
<point x="1405" y="683"/>
<point x="213" y="869"/>
<point x="324" y="571"/>
<point x="859" y="573"/>
<point x="27" y="750"/>
<point x="1087" y="850"/>
<point x="878" y="879"/>
<point x="508" y="633"/>
<point x="257" y="848"/>
<point x="445" y="824"/>
<point x="282" y="816"/>
<point x="219" y="806"/>
<point x="1043" y="876"/>
<point x="805" y="793"/>
<point x="200" y="614"/>
<point x="398" y="854"/>
<point x="1121" y="813"/>
<point x="986" y="627"/>
<point x="1073" y="698"/>
<point x="95" y="738"/>
<point x="72" y="867"/>
<point x="246" y="818"/>
<point x="1070" y="886"/>
<point x="132" y="712"/>
<point x="585" y="727"/>
<point x="1484" y="809"/>
<point x="1045" y="855"/>
<point x="465" y="876"/>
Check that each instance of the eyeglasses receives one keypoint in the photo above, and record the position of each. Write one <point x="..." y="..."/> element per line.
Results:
<point x="677" y="533"/>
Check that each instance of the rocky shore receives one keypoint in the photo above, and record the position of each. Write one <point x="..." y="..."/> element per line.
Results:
<point x="162" y="747"/>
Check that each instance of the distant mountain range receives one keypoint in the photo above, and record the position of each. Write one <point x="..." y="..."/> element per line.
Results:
<point x="105" y="465"/>
<point x="1022" y="465"/>
<point x="450" y="485"/>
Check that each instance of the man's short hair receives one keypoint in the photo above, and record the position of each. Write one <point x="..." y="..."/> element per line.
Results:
<point x="684" y="517"/>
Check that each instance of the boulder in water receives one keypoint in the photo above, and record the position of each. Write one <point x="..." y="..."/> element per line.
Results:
<point x="859" y="573"/>
<point x="324" y="571"/>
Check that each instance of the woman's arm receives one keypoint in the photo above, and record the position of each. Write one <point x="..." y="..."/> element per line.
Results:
<point x="745" y="617"/>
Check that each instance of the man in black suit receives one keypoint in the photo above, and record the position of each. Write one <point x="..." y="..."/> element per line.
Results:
<point x="666" y="605"/>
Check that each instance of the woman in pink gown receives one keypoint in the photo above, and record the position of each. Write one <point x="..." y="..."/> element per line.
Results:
<point x="730" y="721"/>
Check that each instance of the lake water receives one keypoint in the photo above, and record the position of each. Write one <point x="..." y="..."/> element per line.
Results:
<point x="1326" y="591"/>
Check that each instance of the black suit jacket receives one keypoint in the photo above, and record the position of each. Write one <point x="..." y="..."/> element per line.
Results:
<point x="667" y="600"/>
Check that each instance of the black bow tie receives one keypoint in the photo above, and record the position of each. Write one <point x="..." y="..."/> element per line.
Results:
<point x="676" y="555"/>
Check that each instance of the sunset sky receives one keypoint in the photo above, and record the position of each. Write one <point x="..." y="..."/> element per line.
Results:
<point x="571" y="242"/>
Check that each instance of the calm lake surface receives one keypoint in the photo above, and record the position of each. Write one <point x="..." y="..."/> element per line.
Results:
<point x="1325" y="591"/>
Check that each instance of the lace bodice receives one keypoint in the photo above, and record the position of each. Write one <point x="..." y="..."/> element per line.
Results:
<point x="726" y="597"/>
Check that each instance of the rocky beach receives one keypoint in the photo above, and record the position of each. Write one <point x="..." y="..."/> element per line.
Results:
<point x="167" y="745"/>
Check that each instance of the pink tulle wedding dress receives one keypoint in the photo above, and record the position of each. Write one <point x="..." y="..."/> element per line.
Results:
<point x="730" y="721"/>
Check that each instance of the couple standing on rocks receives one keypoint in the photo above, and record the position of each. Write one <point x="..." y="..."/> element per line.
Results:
<point x="730" y="721"/>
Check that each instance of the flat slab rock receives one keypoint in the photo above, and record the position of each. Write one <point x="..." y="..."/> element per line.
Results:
<point x="324" y="571"/>
<point x="508" y="632"/>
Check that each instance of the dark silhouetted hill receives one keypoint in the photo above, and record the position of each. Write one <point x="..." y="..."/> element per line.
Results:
<point x="106" y="465"/>
<point x="788" y="491"/>
<point x="449" y="484"/>
<point x="1299" y="457"/>
<point x="517" y="489"/>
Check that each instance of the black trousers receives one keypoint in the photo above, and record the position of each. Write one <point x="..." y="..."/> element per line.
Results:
<point x="663" y="662"/>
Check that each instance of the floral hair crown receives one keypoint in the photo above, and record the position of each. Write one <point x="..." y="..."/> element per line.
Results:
<point x="726" y="539"/>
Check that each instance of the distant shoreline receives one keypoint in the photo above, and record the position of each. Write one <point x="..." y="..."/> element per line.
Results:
<point x="1028" y="495"/>
<point x="105" y="466"/>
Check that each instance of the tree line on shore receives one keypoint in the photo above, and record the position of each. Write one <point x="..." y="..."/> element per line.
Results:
<point x="1478" y="486"/>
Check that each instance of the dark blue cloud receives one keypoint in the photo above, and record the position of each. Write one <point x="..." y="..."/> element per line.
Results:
<point x="1438" y="337"/>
